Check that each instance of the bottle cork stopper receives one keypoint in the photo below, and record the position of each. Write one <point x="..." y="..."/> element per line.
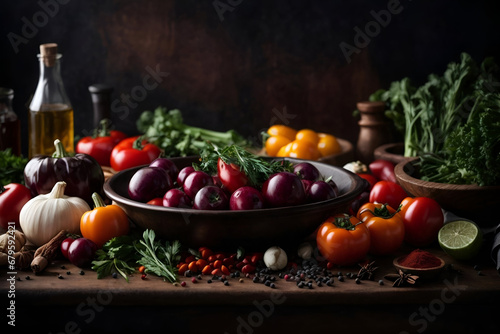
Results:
<point x="48" y="52"/>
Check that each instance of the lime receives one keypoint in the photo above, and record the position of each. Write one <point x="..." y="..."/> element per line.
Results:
<point x="461" y="239"/>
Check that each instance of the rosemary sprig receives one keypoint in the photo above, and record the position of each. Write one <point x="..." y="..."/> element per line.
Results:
<point x="256" y="168"/>
<point x="157" y="258"/>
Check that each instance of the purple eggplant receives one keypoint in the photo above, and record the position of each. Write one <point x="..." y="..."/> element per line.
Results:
<point x="82" y="173"/>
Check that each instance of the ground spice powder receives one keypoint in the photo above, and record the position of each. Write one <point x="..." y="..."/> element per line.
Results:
<point x="420" y="259"/>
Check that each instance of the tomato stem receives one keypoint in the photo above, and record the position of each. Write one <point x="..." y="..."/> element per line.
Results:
<point x="381" y="212"/>
<point x="345" y="223"/>
<point x="138" y="143"/>
<point x="104" y="129"/>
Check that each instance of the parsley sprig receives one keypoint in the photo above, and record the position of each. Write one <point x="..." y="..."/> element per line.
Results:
<point x="11" y="167"/>
<point x="117" y="255"/>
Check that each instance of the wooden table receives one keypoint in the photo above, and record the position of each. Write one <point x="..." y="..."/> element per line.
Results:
<point x="464" y="302"/>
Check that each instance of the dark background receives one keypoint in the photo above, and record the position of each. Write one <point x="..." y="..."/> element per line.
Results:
<point x="243" y="70"/>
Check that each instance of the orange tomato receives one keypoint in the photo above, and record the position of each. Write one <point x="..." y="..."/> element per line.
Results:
<point x="303" y="149"/>
<point x="328" y="144"/>
<point x="284" y="151"/>
<point x="104" y="222"/>
<point x="387" y="230"/>
<point x="282" y="130"/>
<point x="274" y="143"/>
<point x="343" y="240"/>
<point x="307" y="135"/>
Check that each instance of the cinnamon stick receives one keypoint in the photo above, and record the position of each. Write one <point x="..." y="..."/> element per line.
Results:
<point x="46" y="253"/>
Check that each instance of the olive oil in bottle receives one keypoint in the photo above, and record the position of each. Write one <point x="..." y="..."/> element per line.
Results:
<point x="50" y="111"/>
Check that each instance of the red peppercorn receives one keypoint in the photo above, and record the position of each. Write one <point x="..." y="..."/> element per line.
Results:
<point x="207" y="270"/>
<point x="183" y="268"/>
<point x="248" y="268"/>
<point x="194" y="280"/>
<point x="144" y="276"/>
<point x="183" y="283"/>
<point x="225" y="270"/>
<point x="217" y="264"/>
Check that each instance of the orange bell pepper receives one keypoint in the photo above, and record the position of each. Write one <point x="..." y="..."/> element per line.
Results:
<point x="104" y="222"/>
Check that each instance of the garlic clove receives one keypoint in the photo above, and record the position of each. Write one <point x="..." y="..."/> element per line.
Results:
<point x="275" y="258"/>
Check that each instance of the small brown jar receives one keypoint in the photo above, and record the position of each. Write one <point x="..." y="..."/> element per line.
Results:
<point x="374" y="130"/>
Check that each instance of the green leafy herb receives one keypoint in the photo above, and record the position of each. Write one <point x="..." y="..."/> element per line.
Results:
<point x="451" y="122"/>
<point x="117" y="255"/>
<point x="168" y="130"/>
<point x="429" y="113"/>
<point x="472" y="152"/>
<point x="256" y="168"/>
<point x="158" y="258"/>
<point x="11" y="167"/>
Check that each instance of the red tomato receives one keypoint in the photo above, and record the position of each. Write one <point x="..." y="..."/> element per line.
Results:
<point x="156" y="201"/>
<point x="132" y="152"/>
<point x="100" y="147"/>
<point x="383" y="170"/>
<point x="12" y="199"/>
<point x="343" y="240"/>
<point x="387" y="230"/>
<point x="370" y="178"/>
<point x="231" y="176"/>
<point x="387" y="192"/>
<point x="423" y="218"/>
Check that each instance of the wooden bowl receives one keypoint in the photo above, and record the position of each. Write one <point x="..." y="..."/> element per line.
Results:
<point x="392" y="152"/>
<point x="340" y="159"/>
<point x="252" y="229"/>
<point x="467" y="201"/>
<point x="422" y="273"/>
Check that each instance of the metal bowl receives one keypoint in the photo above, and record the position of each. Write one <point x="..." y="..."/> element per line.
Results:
<point x="253" y="229"/>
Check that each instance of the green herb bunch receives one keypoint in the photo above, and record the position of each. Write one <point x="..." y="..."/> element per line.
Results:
<point x="11" y="167"/>
<point x="168" y="130"/>
<point x="451" y="121"/>
<point x="124" y="254"/>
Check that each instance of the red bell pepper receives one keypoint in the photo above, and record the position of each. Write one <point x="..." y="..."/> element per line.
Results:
<point x="101" y="144"/>
<point x="132" y="152"/>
